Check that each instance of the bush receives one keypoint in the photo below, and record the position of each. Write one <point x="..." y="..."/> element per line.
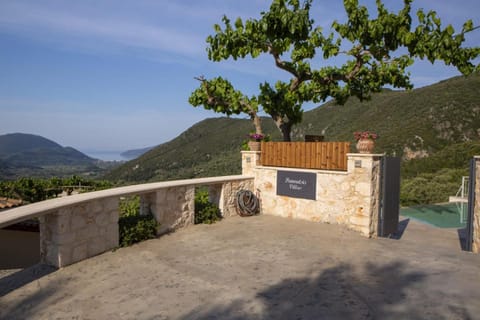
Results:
<point x="130" y="206"/>
<point x="205" y="211"/>
<point x="428" y="188"/>
<point x="134" y="227"/>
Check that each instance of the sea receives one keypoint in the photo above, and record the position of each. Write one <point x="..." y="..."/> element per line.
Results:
<point x="106" y="155"/>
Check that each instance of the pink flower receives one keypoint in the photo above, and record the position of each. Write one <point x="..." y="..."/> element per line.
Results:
<point x="365" y="135"/>
<point x="256" y="137"/>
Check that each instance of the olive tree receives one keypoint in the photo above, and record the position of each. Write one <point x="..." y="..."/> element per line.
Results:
<point x="377" y="51"/>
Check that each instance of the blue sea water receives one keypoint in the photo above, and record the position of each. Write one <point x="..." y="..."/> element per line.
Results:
<point x="106" y="155"/>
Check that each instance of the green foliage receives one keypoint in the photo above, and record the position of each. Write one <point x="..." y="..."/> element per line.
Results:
<point x="134" y="227"/>
<point x="218" y="87"/>
<point x="209" y="148"/>
<point x="435" y="178"/>
<point x="430" y="188"/>
<point x="378" y="51"/>
<point x="245" y="145"/>
<point x="454" y="156"/>
<point x="129" y="206"/>
<point x="26" y="155"/>
<point x="33" y="190"/>
<point x="205" y="211"/>
<point x="426" y="120"/>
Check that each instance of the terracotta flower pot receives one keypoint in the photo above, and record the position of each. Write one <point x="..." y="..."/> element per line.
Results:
<point x="254" y="145"/>
<point x="365" y="145"/>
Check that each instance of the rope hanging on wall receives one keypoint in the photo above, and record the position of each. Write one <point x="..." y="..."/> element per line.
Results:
<point x="247" y="203"/>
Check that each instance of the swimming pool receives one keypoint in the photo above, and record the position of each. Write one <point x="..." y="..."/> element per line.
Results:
<point x="442" y="215"/>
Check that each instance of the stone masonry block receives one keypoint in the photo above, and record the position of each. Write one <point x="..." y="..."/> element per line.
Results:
<point x="358" y="220"/>
<point x="78" y="221"/>
<point x="80" y="252"/>
<point x="94" y="206"/>
<point x="58" y="256"/>
<point x="102" y="218"/>
<point x="88" y="232"/>
<point x="114" y="216"/>
<point x="110" y="204"/>
<point x="63" y="238"/>
<point x="80" y="210"/>
<point x="59" y="222"/>
<point x="96" y="246"/>
<point x="112" y="236"/>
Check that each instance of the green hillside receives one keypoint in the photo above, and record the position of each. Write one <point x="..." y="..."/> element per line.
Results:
<point x="19" y="142"/>
<point x="209" y="148"/>
<point x="411" y="124"/>
<point x="28" y="155"/>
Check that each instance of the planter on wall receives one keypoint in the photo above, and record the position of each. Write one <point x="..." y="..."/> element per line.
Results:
<point x="254" y="145"/>
<point x="365" y="145"/>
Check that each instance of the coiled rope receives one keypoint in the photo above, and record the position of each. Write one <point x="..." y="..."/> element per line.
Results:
<point x="247" y="203"/>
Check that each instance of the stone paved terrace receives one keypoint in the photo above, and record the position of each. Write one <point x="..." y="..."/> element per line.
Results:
<point x="260" y="267"/>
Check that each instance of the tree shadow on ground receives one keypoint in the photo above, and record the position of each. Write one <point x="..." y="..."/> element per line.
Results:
<point x="341" y="292"/>
<point x="23" y="277"/>
<point x="27" y="305"/>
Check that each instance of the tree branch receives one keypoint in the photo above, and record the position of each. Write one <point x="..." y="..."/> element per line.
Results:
<point x="297" y="77"/>
<point x="213" y="100"/>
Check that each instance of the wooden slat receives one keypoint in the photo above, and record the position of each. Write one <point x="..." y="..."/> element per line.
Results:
<point x="306" y="155"/>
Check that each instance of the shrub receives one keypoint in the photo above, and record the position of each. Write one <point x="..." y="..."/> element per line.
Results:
<point x="205" y="211"/>
<point x="428" y="188"/>
<point x="134" y="227"/>
<point x="130" y="206"/>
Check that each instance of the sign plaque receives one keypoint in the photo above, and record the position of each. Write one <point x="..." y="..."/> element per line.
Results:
<point x="297" y="184"/>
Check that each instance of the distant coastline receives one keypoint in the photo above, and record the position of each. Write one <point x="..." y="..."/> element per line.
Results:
<point x="106" y="155"/>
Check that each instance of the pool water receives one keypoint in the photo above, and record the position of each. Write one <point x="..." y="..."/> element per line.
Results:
<point x="443" y="215"/>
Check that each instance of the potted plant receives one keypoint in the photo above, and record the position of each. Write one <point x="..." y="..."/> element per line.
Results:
<point x="254" y="141"/>
<point x="365" y="141"/>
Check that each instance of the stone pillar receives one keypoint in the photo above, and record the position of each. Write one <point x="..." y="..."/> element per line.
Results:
<point x="229" y="195"/>
<point x="75" y="233"/>
<point x="365" y="172"/>
<point x="172" y="207"/>
<point x="476" y="209"/>
<point x="144" y="205"/>
<point x="215" y="195"/>
<point x="250" y="159"/>
<point x="224" y="195"/>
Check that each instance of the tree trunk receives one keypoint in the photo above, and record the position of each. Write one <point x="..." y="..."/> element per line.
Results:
<point x="256" y="123"/>
<point x="284" y="127"/>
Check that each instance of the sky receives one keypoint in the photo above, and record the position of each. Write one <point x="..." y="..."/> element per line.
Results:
<point x="114" y="75"/>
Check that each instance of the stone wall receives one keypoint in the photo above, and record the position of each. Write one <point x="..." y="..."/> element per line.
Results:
<point x="172" y="207"/>
<point x="350" y="198"/>
<point x="476" y="209"/>
<point x="224" y="195"/>
<point x="250" y="160"/>
<point x="74" y="233"/>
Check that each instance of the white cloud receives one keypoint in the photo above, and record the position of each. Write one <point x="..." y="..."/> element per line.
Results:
<point x="66" y="26"/>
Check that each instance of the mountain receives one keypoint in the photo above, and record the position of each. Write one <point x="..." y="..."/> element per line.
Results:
<point x="24" y="154"/>
<point x="412" y="124"/>
<point x="210" y="147"/>
<point x="135" y="153"/>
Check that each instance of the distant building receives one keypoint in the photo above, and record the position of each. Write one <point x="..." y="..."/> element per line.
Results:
<point x="7" y="203"/>
<point x="27" y="225"/>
